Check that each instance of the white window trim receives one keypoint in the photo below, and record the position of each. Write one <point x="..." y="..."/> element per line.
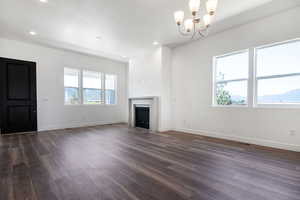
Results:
<point x="80" y="87"/>
<point x="116" y="89"/>
<point x="215" y="82"/>
<point x="252" y="80"/>
<point x="82" y="100"/>
<point x="256" y="78"/>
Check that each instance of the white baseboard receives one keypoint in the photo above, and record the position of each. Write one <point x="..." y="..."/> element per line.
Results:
<point x="261" y="142"/>
<point x="164" y="129"/>
<point x="74" y="125"/>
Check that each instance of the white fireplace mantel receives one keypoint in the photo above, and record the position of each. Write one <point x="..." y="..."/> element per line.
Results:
<point x="149" y="101"/>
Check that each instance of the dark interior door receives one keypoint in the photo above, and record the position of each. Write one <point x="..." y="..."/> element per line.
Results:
<point x="17" y="96"/>
<point x="142" y="117"/>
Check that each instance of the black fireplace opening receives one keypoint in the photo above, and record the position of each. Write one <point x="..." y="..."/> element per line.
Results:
<point x="142" y="117"/>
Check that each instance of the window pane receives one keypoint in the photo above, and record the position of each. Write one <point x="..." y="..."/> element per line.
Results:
<point x="92" y="93"/>
<point x="110" y="89"/>
<point x="110" y="96"/>
<point x="231" y="67"/>
<point x="71" y="77"/>
<point x="110" y="82"/>
<point x="91" y="80"/>
<point x="92" y="96"/>
<point x="280" y="59"/>
<point x="231" y="93"/>
<point x="71" y="84"/>
<point x="279" y="90"/>
<point x="71" y="95"/>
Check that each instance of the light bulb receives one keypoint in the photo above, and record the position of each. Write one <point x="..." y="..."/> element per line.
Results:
<point x="207" y="20"/>
<point x="179" y="17"/>
<point x="32" y="33"/>
<point x="194" y="6"/>
<point x="211" y="6"/>
<point x="188" y="25"/>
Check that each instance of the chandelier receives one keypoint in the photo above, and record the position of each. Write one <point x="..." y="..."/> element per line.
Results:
<point x="196" y="26"/>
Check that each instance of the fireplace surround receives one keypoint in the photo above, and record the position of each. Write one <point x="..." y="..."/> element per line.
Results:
<point x="152" y="103"/>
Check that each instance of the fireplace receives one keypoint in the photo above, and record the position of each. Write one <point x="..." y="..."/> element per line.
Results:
<point x="142" y="117"/>
<point x="144" y="112"/>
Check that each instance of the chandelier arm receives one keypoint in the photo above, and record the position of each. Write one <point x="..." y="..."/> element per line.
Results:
<point x="192" y="27"/>
<point x="205" y="31"/>
<point x="181" y="32"/>
<point x="195" y="32"/>
<point x="200" y="33"/>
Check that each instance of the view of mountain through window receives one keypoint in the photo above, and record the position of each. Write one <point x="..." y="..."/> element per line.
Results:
<point x="89" y="87"/>
<point x="92" y="93"/>
<point x="110" y="89"/>
<point x="71" y="84"/>
<point x="278" y="73"/>
<point x="231" y="79"/>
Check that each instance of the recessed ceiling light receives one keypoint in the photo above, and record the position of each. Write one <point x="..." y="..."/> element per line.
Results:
<point x="32" y="33"/>
<point x="124" y="56"/>
<point x="44" y="1"/>
<point x="155" y="43"/>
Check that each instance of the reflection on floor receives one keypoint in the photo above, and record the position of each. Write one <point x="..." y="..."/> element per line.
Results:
<point x="116" y="162"/>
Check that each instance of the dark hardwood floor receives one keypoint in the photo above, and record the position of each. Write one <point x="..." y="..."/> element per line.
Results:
<point x="115" y="162"/>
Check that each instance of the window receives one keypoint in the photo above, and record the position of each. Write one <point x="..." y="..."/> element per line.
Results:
<point x="278" y="73"/>
<point x="231" y="79"/>
<point x="92" y="87"/>
<point x="88" y="87"/>
<point x="71" y="84"/>
<point x="110" y="89"/>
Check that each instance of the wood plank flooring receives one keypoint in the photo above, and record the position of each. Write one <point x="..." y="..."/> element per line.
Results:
<point x="115" y="162"/>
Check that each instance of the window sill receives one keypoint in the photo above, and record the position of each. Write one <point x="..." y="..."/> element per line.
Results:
<point x="72" y="104"/>
<point x="91" y="104"/>
<point x="264" y="106"/>
<point x="230" y="106"/>
<point x="99" y="104"/>
<point x="279" y="106"/>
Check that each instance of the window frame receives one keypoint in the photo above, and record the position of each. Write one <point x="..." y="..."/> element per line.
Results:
<point x="215" y="82"/>
<point x="116" y="89"/>
<point x="101" y="89"/>
<point x="79" y="87"/>
<point x="257" y="78"/>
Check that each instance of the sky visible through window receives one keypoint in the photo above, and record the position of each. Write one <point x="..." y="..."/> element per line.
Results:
<point x="71" y="78"/>
<point x="110" y="82"/>
<point x="278" y="60"/>
<point x="71" y="84"/>
<point x="92" y="80"/>
<point x="110" y="89"/>
<point x="92" y="86"/>
<point x="92" y="89"/>
<point x="283" y="59"/>
<point x="232" y="67"/>
<point x="229" y="68"/>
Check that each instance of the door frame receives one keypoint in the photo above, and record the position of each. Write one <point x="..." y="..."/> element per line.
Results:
<point x="3" y="93"/>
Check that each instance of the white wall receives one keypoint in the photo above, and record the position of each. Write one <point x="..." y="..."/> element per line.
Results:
<point x="52" y="113"/>
<point x="145" y="75"/>
<point x="150" y="75"/>
<point x="165" y="114"/>
<point x="192" y="87"/>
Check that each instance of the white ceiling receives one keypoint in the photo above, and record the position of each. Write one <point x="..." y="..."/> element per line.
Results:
<point x="126" y="27"/>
